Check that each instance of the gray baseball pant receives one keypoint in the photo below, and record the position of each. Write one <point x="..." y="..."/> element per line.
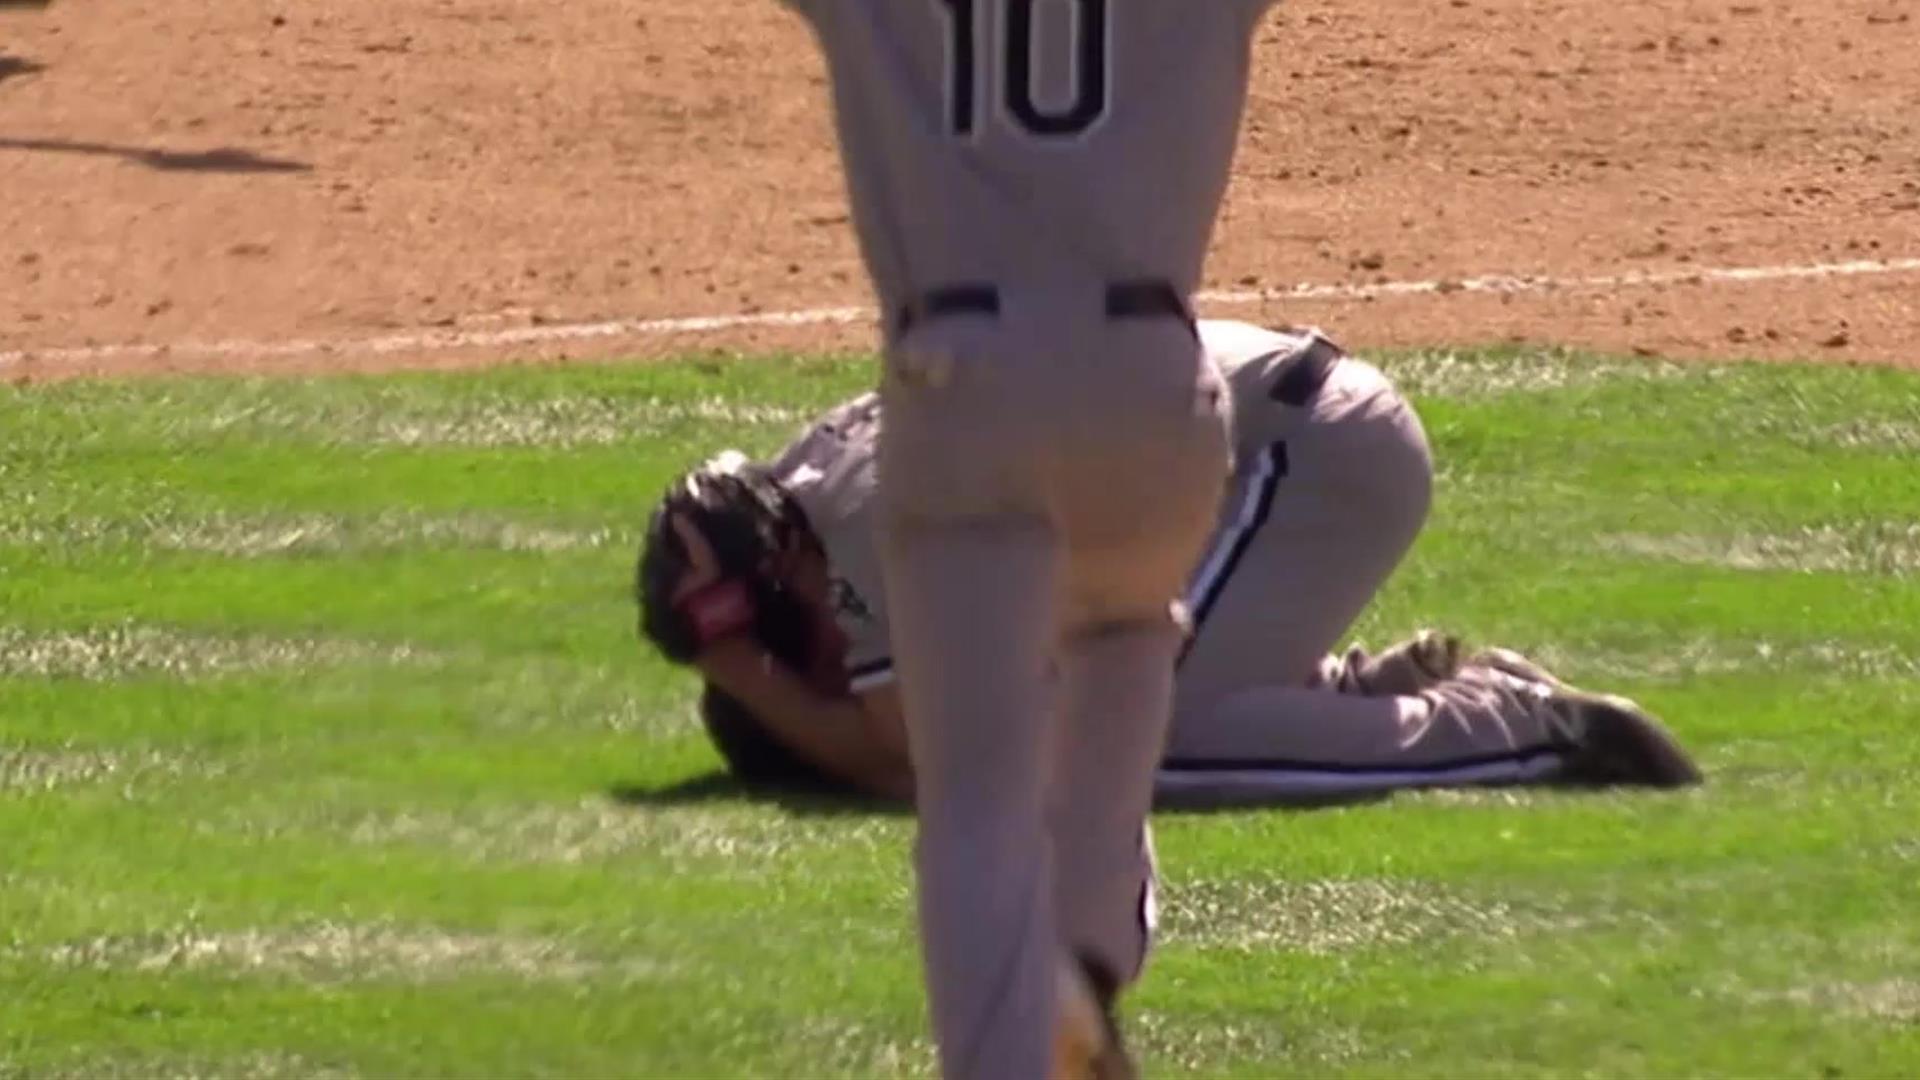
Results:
<point x="1047" y="478"/>
<point x="1346" y="482"/>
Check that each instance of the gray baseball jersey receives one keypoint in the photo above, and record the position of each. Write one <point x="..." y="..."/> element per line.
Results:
<point x="1034" y="140"/>
<point x="830" y="469"/>
<point x="1306" y="535"/>
<point x="831" y="472"/>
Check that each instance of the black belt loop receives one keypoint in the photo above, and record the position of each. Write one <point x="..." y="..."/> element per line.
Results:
<point x="969" y="299"/>
<point x="1144" y="299"/>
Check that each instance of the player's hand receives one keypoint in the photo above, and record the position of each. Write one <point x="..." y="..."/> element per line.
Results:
<point x="703" y="566"/>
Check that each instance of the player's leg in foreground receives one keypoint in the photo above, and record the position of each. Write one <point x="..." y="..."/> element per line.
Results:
<point x="973" y="561"/>
<point x="974" y="616"/>
<point x="1117" y="671"/>
<point x="1022" y="1002"/>
<point x="1027" y="531"/>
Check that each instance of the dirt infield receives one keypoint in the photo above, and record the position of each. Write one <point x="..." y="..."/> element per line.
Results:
<point x="375" y="178"/>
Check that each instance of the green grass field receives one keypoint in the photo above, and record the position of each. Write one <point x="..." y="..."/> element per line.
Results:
<point x="326" y="748"/>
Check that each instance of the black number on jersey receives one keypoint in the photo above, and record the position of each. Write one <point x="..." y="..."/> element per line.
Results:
<point x="1016" y="68"/>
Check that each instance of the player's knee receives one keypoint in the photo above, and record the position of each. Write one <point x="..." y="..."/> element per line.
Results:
<point x="1141" y="635"/>
<point x="1415" y="470"/>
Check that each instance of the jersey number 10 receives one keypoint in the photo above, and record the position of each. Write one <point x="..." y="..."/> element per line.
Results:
<point x="1016" y="68"/>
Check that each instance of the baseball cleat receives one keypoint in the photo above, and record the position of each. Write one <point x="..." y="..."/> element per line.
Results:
<point x="1618" y="742"/>
<point x="1435" y="654"/>
<point x="1613" y="740"/>
<point x="1411" y="666"/>
<point x="1516" y="665"/>
<point x="1086" y="1040"/>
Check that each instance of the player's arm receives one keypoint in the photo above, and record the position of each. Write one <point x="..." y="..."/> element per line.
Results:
<point x="887" y="723"/>
<point x="848" y="736"/>
<point x="708" y="620"/>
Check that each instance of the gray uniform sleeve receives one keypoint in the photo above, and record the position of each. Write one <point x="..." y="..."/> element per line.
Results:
<point x="829" y="469"/>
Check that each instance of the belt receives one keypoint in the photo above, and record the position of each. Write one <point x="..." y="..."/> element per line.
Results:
<point x="1146" y="300"/>
<point x="942" y="302"/>
<point x="1298" y="379"/>
<point x="1143" y="299"/>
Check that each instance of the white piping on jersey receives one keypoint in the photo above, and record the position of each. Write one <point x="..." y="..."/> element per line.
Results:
<point x="1246" y="516"/>
<point x="872" y="680"/>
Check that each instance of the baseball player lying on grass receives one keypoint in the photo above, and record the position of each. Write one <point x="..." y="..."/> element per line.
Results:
<point x="1332" y="484"/>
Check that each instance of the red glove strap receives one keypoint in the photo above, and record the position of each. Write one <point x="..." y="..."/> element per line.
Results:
<point x="719" y="610"/>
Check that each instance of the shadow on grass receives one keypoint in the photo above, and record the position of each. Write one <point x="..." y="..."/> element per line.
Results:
<point x="1194" y="805"/>
<point x="721" y="786"/>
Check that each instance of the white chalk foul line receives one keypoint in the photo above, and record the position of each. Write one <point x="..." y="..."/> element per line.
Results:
<point x="555" y="333"/>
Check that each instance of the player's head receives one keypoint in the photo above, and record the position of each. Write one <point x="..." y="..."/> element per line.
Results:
<point x="758" y="534"/>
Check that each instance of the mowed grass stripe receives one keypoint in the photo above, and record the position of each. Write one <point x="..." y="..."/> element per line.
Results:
<point x="567" y="408"/>
<point x="32" y="769"/>
<point x="1888" y="548"/>
<point x="577" y="408"/>
<point x="129" y="649"/>
<point x="262" y="1065"/>
<point x="251" y="869"/>
<point x="431" y="600"/>
<point x="259" y="536"/>
<point x="1890" y="435"/>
